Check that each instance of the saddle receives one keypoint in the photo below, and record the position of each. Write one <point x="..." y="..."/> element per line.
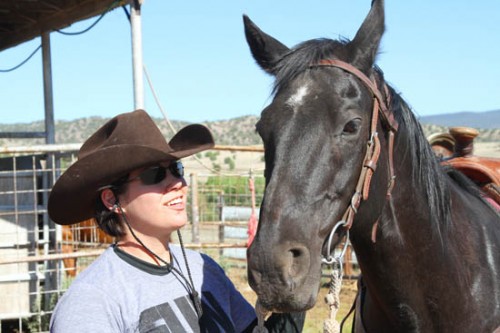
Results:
<point x="483" y="171"/>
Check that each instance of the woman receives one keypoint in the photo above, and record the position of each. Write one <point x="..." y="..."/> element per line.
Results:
<point x="131" y="180"/>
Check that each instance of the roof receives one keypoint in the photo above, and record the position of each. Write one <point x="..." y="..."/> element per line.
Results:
<point x="23" y="20"/>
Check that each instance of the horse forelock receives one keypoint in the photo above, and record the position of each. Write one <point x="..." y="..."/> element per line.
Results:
<point x="305" y="54"/>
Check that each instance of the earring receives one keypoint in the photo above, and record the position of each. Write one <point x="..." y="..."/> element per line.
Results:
<point x="115" y="207"/>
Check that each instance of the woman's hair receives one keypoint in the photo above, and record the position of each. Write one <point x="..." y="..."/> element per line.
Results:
<point x="108" y="220"/>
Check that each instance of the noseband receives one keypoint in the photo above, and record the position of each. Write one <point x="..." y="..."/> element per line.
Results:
<point x="381" y="107"/>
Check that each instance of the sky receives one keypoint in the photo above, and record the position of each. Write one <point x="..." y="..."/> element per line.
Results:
<point x="442" y="56"/>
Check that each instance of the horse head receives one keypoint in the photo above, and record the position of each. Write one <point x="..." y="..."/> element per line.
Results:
<point x="315" y="134"/>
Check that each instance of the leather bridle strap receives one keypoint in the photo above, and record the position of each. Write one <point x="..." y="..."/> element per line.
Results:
<point x="384" y="107"/>
<point x="380" y="106"/>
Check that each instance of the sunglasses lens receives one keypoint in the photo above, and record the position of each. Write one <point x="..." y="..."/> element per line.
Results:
<point x="177" y="169"/>
<point x="153" y="176"/>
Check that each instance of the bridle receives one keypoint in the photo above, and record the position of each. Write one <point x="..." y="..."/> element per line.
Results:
<point x="381" y="106"/>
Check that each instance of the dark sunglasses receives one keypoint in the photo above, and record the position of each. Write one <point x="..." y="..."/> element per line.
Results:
<point x="156" y="174"/>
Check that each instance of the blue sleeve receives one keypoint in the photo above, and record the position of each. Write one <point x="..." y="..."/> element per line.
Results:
<point x="241" y="312"/>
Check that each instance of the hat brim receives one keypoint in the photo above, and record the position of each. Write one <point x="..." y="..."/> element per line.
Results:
<point x="73" y="197"/>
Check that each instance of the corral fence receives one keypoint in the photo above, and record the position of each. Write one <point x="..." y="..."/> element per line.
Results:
<point x="39" y="259"/>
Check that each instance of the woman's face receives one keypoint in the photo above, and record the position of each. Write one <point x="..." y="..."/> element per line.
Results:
<point x="157" y="209"/>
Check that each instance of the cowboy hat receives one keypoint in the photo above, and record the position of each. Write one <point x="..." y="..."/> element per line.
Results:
<point x="126" y="142"/>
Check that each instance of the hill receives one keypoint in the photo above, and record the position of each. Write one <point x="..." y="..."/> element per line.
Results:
<point x="241" y="130"/>
<point x="484" y="120"/>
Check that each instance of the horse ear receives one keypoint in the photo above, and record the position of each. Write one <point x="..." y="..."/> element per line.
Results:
<point x="363" y="48"/>
<point x="265" y="49"/>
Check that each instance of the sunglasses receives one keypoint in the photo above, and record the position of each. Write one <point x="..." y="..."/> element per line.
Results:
<point x="156" y="174"/>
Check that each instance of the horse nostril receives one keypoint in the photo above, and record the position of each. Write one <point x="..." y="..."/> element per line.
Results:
<point x="296" y="252"/>
<point x="299" y="261"/>
<point x="254" y="277"/>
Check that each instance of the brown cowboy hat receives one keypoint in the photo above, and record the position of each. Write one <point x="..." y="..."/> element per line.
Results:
<point x="125" y="143"/>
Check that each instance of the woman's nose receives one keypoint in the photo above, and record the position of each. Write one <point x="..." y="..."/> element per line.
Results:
<point x="173" y="182"/>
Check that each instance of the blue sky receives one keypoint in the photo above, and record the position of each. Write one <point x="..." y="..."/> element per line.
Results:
<point x="443" y="56"/>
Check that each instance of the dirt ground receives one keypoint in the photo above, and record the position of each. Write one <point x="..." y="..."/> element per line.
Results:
<point x="317" y="315"/>
<point x="487" y="149"/>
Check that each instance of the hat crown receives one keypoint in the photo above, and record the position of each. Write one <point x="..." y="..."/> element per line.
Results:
<point x="135" y="128"/>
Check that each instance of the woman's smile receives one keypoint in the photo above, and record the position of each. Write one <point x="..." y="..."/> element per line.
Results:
<point x="177" y="203"/>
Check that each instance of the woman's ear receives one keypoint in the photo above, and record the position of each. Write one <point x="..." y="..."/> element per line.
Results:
<point x="109" y="200"/>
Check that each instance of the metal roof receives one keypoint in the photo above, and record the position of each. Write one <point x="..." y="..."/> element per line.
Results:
<point x="23" y="20"/>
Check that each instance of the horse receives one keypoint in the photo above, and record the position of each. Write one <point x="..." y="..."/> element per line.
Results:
<point x="342" y="147"/>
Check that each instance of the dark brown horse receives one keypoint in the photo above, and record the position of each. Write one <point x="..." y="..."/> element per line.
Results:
<point x="341" y="145"/>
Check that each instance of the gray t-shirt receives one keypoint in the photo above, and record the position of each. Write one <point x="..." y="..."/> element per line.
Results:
<point x="120" y="293"/>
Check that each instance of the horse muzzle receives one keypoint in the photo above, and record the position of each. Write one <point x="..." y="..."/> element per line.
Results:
<point x="284" y="276"/>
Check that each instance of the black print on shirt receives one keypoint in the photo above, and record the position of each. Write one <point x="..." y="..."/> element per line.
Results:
<point x="163" y="319"/>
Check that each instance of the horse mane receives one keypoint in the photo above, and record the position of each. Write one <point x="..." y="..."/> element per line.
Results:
<point x="466" y="183"/>
<point x="427" y="172"/>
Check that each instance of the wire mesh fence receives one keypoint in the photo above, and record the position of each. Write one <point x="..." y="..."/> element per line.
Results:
<point x="39" y="259"/>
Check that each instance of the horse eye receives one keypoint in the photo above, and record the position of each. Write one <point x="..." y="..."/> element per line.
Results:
<point x="352" y="126"/>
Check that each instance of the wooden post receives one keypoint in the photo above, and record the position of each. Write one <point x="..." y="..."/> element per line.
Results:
<point x="222" y="219"/>
<point x="195" y="228"/>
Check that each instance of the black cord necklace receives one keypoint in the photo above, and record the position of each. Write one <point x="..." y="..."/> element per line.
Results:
<point x="195" y="297"/>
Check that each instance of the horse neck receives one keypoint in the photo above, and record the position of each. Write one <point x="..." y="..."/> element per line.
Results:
<point x="388" y="223"/>
<point x="410" y="201"/>
<point x="417" y="209"/>
<point x="415" y="241"/>
<point x="412" y="265"/>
